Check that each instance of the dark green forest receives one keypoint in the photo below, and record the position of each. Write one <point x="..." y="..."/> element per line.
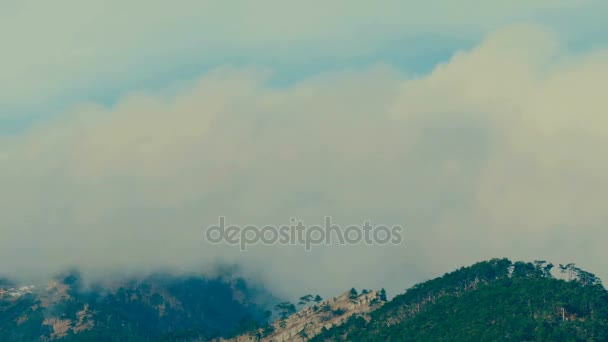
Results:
<point x="159" y="308"/>
<point x="496" y="300"/>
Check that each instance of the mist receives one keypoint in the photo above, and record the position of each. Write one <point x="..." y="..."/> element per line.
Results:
<point x="495" y="153"/>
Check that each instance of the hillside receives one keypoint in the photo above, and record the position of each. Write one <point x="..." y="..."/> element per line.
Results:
<point x="158" y="308"/>
<point x="317" y="317"/>
<point x="497" y="300"/>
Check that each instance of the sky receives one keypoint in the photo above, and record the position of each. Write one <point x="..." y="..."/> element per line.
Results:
<point x="126" y="127"/>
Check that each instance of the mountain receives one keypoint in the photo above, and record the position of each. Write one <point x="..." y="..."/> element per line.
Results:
<point x="156" y="308"/>
<point x="496" y="300"/>
<point x="316" y="317"/>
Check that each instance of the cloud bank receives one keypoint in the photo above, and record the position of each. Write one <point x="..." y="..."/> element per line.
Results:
<point x="496" y="153"/>
<point x="54" y="53"/>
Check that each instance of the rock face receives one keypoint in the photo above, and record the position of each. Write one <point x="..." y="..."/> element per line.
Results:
<point x="311" y="320"/>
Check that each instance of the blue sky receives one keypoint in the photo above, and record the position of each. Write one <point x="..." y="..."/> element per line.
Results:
<point x="127" y="126"/>
<point x="413" y="55"/>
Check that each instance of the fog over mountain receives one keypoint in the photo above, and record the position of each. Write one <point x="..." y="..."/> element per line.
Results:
<point x="496" y="152"/>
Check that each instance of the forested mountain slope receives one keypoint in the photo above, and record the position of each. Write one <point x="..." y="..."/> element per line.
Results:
<point x="157" y="308"/>
<point x="496" y="300"/>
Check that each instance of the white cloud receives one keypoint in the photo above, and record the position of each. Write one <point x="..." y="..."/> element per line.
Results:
<point x="496" y="153"/>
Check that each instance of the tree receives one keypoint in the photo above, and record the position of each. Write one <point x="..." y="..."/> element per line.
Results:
<point x="567" y="269"/>
<point x="305" y="300"/>
<point x="543" y="268"/>
<point x="383" y="295"/>
<point x="285" y="309"/>
<point x="586" y="278"/>
<point x="325" y="307"/>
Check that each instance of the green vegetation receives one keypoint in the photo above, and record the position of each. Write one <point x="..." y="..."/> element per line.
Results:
<point x="160" y="308"/>
<point x="497" y="300"/>
<point x="285" y="309"/>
